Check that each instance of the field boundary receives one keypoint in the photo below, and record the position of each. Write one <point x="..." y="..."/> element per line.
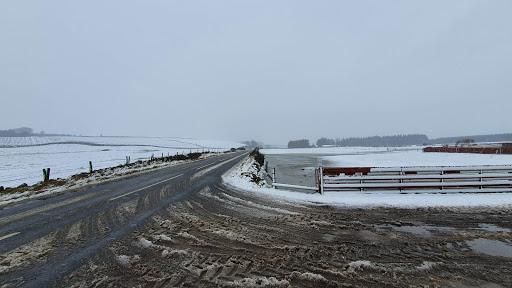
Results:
<point x="474" y="150"/>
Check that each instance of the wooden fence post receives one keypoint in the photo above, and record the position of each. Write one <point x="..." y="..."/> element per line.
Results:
<point x="47" y="174"/>
<point x="44" y="175"/>
<point x="90" y="167"/>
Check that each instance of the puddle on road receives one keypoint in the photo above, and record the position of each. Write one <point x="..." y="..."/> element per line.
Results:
<point x="427" y="230"/>
<point x="491" y="247"/>
<point x="369" y="236"/>
<point x="493" y="228"/>
<point x="422" y="230"/>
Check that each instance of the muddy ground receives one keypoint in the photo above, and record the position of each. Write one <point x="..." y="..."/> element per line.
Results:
<point x="224" y="238"/>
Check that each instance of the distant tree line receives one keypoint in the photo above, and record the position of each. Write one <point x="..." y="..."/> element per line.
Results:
<point x="303" y="143"/>
<point x="399" y="140"/>
<point x="477" y="138"/>
<point x="375" y="141"/>
<point x="26" y="132"/>
<point x="18" y="132"/>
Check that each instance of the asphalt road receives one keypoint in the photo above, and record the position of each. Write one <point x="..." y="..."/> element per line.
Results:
<point x="104" y="212"/>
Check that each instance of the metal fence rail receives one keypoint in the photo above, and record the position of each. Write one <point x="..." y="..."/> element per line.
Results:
<point x="432" y="179"/>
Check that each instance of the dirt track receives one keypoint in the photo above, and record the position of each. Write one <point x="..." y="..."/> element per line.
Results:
<point x="221" y="237"/>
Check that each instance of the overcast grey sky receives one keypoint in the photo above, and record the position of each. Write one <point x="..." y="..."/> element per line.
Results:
<point x="272" y="71"/>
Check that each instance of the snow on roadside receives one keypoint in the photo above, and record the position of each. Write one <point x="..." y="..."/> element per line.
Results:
<point x="237" y="178"/>
<point x="21" y="159"/>
<point x="96" y="177"/>
<point x="248" y="174"/>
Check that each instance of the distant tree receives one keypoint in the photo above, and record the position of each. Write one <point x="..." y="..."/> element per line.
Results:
<point x="303" y="143"/>
<point x="477" y="138"/>
<point x="465" y="141"/>
<point x="324" y="141"/>
<point x="252" y="144"/>
<point x="468" y="141"/>
<point x="258" y="157"/>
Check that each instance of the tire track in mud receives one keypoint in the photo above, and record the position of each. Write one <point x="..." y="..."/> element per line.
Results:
<point x="222" y="237"/>
<point x="96" y="228"/>
<point x="102" y="224"/>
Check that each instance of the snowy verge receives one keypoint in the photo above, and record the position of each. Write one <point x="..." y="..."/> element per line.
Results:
<point x="86" y="179"/>
<point x="248" y="175"/>
<point x="238" y="178"/>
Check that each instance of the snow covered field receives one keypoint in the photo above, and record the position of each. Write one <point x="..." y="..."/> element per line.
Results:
<point x="391" y="157"/>
<point x="333" y="150"/>
<point x="385" y="159"/>
<point x="415" y="158"/>
<point x="23" y="158"/>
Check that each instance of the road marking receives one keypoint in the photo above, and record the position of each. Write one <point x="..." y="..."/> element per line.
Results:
<point x="10" y="235"/>
<point x="144" y="187"/>
<point x="206" y="166"/>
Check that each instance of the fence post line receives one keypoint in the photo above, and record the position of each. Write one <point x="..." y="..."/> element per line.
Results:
<point x="481" y="171"/>
<point x="321" y="180"/>
<point x="44" y="175"/>
<point x="90" y="167"/>
<point x="47" y="174"/>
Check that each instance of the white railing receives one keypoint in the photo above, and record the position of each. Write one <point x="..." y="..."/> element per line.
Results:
<point x="433" y="179"/>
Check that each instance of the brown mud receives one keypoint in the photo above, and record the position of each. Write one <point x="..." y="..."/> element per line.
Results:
<point x="224" y="238"/>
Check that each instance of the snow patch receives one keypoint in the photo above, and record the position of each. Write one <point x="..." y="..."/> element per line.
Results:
<point x="259" y="282"/>
<point x="426" y="265"/>
<point x="144" y="243"/>
<point x="188" y="236"/>
<point x="360" y="265"/>
<point x="174" y="253"/>
<point x="231" y="235"/>
<point x="307" y="276"/>
<point x="127" y="261"/>
<point x="162" y="237"/>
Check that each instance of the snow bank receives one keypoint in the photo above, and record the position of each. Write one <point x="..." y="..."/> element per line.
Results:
<point x="247" y="174"/>
<point x="235" y="178"/>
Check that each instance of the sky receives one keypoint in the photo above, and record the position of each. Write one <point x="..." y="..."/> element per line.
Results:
<point x="271" y="71"/>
